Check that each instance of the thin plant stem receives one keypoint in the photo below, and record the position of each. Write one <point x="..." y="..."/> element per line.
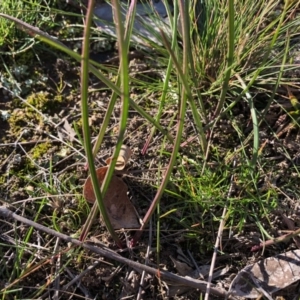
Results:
<point x="87" y="138"/>
<point x="166" y="80"/>
<point x="180" y="125"/>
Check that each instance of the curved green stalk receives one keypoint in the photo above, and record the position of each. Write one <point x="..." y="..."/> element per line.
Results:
<point x="185" y="19"/>
<point x="128" y="29"/>
<point x="87" y="137"/>
<point x="167" y="78"/>
<point x="124" y="78"/>
<point x="184" y="96"/>
<point x="123" y="51"/>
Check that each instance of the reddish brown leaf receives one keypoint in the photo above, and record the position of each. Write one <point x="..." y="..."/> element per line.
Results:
<point x="120" y="210"/>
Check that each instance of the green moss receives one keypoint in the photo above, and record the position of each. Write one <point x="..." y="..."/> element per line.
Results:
<point x="21" y="118"/>
<point x="40" y="101"/>
<point x="44" y="102"/>
<point x="15" y="103"/>
<point x="17" y="121"/>
<point x="3" y="180"/>
<point x="22" y="115"/>
<point x="39" y="150"/>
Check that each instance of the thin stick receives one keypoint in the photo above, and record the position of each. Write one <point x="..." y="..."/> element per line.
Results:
<point x="139" y="295"/>
<point x="106" y="252"/>
<point x="283" y="238"/>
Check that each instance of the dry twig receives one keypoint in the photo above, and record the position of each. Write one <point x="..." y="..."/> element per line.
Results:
<point x="106" y="252"/>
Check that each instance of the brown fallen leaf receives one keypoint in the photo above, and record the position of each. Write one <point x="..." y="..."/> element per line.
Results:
<point x="120" y="210"/>
<point x="267" y="276"/>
